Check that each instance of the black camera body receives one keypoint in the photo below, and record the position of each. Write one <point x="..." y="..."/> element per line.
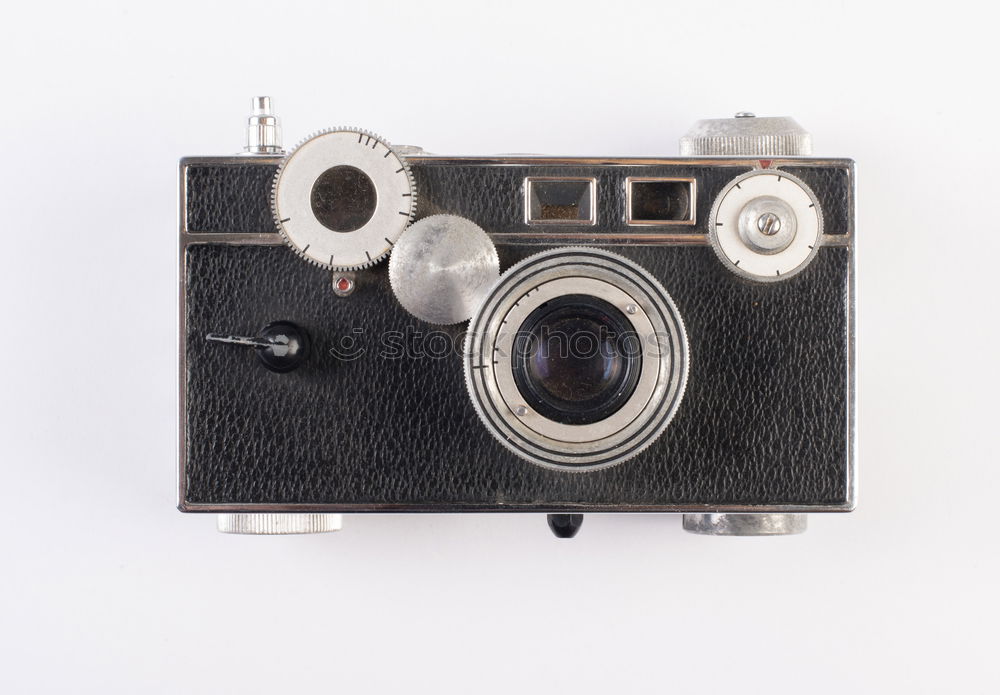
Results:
<point x="366" y="408"/>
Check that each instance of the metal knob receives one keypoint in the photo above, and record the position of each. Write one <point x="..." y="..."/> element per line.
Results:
<point x="747" y="135"/>
<point x="442" y="267"/>
<point x="263" y="128"/>
<point x="278" y="524"/>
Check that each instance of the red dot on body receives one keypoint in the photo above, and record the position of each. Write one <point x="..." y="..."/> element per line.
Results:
<point x="343" y="284"/>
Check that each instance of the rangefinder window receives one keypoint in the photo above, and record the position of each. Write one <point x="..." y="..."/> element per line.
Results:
<point x="655" y="201"/>
<point x="552" y="200"/>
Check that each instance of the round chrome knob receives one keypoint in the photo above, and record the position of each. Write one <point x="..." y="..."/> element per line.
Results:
<point x="766" y="225"/>
<point x="442" y="267"/>
<point x="747" y="135"/>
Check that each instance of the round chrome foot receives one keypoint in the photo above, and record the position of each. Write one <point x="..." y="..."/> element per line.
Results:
<point x="745" y="524"/>
<point x="278" y="524"/>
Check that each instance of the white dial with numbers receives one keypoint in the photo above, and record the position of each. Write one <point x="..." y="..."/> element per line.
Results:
<point x="342" y="198"/>
<point x="766" y="225"/>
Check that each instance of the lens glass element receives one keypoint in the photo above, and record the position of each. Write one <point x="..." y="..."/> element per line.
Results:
<point x="576" y="359"/>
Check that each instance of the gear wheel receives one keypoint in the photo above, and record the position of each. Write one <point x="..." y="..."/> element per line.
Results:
<point x="342" y="197"/>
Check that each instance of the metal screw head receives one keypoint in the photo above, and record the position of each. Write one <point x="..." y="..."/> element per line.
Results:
<point x="769" y="224"/>
<point x="631" y="309"/>
<point x="745" y="114"/>
<point x="520" y="411"/>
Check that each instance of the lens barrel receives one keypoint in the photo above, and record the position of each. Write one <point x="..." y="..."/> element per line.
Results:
<point x="577" y="359"/>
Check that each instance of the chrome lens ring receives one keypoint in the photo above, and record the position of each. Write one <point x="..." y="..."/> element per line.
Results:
<point x="610" y="278"/>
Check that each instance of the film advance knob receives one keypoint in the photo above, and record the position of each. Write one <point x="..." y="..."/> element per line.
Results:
<point x="746" y="135"/>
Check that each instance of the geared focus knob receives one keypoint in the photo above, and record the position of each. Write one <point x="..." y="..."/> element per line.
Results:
<point x="342" y="197"/>
<point x="746" y="135"/>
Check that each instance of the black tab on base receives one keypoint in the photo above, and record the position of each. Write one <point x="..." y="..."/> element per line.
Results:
<point x="565" y="525"/>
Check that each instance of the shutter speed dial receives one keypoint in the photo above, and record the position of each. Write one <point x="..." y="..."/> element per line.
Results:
<point x="766" y="225"/>
<point x="342" y="198"/>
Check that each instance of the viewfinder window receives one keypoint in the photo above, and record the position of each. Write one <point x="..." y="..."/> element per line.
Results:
<point x="560" y="200"/>
<point x="660" y="201"/>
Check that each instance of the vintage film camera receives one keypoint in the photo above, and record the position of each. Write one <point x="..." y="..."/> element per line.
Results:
<point x="668" y="334"/>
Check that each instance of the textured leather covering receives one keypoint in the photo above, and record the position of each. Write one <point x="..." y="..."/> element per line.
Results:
<point x="227" y="198"/>
<point x="764" y="420"/>
<point x="833" y="189"/>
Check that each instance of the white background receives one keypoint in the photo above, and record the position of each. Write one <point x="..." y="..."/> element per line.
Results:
<point x="105" y="587"/>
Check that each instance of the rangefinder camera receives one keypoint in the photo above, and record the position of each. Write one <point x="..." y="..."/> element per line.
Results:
<point x="374" y="328"/>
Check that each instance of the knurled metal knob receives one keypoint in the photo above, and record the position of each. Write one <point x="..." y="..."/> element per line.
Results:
<point x="278" y="524"/>
<point x="747" y="135"/>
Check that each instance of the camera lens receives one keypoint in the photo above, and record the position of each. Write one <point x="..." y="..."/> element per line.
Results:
<point x="343" y="198"/>
<point x="576" y="359"/>
<point x="560" y="363"/>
